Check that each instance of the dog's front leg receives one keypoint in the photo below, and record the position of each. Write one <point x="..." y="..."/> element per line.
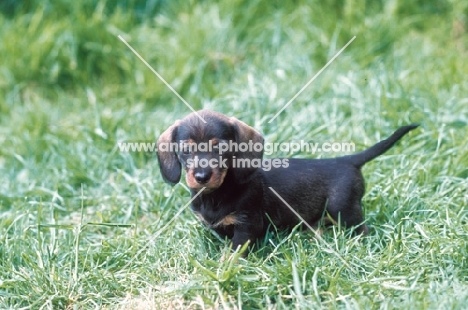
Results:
<point x="240" y="238"/>
<point x="244" y="234"/>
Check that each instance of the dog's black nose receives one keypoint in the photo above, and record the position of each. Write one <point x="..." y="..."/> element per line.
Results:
<point x="202" y="177"/>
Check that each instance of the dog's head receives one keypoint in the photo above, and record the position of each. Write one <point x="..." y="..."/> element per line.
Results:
<point x="207" y="151"/>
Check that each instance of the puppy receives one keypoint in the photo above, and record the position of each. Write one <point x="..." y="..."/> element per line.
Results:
<point x="235" y="198"/>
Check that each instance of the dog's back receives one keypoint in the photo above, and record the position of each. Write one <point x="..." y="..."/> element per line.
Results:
<point x="315" y="186"/>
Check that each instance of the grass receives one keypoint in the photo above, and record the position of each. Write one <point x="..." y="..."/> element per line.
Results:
<point x="83" y="225"/>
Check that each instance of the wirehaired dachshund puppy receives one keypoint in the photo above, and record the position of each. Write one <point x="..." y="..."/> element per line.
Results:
<point x="222" y="158"/>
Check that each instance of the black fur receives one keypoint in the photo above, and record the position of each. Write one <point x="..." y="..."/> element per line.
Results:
<point x="238" y="203"/>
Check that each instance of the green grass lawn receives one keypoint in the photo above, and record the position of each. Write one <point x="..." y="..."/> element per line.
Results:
<point x="85" y="226"/>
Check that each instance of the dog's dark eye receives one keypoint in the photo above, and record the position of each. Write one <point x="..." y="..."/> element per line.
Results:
<point x="220" y="147"/>
<point x="186" y="149"/>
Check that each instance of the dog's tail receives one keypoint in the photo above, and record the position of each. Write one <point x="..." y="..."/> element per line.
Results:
<point x="363" y="157"/>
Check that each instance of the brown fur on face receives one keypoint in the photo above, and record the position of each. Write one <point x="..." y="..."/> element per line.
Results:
<point x="214" y="182"/>
<point x="192" y="130"/>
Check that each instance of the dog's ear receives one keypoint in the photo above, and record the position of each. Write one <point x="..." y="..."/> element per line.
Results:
<point x="245" y="134"/>
<point x="169" y="163"/>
